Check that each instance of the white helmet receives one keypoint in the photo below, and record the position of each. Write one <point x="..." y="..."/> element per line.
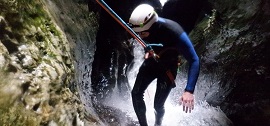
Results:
<point x="142" y="17"/>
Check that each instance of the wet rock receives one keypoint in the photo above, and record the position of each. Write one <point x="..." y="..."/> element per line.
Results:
<point x="34" y="76"/>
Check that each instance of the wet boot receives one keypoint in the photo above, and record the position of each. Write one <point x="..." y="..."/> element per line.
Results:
<point x="159" y="118"/>
<point x="142" y="120"/>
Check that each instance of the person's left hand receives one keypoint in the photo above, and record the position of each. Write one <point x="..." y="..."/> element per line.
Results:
<point x="187" y="100"/>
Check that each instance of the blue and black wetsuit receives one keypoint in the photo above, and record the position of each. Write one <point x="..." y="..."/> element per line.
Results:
<point x="175" y="42"/>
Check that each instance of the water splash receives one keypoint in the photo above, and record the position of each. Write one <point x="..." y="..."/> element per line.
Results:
<point x="202" y="115"/>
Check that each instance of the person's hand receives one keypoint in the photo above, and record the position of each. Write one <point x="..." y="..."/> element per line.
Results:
<point x="148" y="55"/>
<point x="187" y="100"/>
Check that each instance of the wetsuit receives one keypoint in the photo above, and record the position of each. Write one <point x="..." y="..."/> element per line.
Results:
<point x="175" y="41"/>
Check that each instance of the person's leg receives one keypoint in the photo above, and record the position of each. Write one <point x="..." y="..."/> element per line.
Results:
<point x="162" y="92"/>
<point x="144" y="78"/>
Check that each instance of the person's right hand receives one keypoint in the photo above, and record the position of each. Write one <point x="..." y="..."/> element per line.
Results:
<point x="146" y="56"/>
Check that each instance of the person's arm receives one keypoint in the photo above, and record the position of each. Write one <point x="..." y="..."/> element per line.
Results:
<point x="186" y="48"/>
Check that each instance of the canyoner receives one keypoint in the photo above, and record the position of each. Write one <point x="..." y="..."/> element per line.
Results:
<point x="147" y="47"/>
<point x="144" y="23"/>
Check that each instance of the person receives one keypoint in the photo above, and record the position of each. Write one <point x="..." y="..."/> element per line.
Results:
<point x="162" y="66"/>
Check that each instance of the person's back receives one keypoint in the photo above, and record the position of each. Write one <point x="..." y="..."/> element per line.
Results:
<point x="165" y="32"/>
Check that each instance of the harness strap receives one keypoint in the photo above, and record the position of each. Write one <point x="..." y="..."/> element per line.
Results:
<point x="168" y="72"/>
<point x="171" y="77"/>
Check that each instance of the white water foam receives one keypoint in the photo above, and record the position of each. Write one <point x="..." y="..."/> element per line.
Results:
<point x="202" y="115"/>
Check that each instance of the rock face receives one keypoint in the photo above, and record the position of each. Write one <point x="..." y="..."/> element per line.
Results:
<point x="233" y="45"/>
<point x="36" y="68"/>
<point x="186" y="13"/>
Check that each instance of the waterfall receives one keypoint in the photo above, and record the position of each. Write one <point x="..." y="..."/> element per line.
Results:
<point x="202" y="115"/>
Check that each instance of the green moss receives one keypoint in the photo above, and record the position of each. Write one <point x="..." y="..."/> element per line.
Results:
<point x="12" y="112"/>
<point x="206" y="31"/>
<point x="29" y="24"/>
<point x="17" y="116"/>
<point x="24" y="13"/>
<point x="51" y="28"/>
<point x="32" y="11"/>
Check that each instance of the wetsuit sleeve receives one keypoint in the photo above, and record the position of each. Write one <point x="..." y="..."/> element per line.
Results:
<point x="186" y="48"/>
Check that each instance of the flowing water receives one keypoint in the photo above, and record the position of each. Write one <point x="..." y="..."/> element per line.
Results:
<point x="202" y="115"/>
<point x="118" y="112"/>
